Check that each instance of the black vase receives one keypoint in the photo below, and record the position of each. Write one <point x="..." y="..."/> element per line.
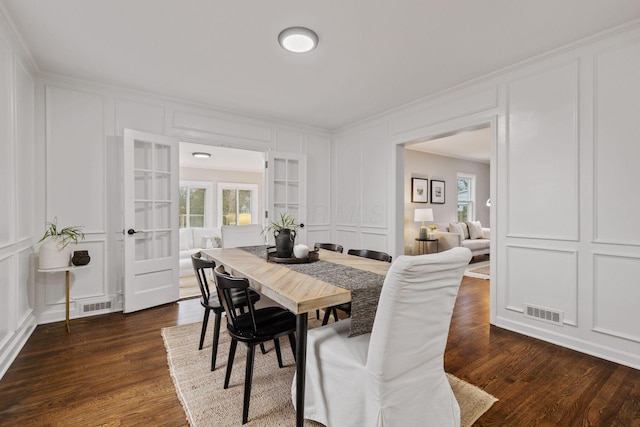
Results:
<point x="80" y="258"/>
<point x="285" y="239"/>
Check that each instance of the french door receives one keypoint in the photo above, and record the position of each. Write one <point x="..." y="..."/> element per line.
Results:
<point x="287" y="189"/>
<point x="151" y="187"/>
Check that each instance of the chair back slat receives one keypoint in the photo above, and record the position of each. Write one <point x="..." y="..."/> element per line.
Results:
<point x="200" y="268"/>
<point x="329" y="246"/>
<point x="367" y="253"/>
<point x="228" y="287"/>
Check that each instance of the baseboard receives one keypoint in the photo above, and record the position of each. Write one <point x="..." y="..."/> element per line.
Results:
<point x="14" y="343"/>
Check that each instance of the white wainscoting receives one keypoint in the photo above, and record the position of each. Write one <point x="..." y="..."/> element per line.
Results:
<point x="616" y="295"/>
<point x="543" y="277"/>
<point x="139" y="115"/>
<point x="617" y="148"/>
<point x="542" y="150"/>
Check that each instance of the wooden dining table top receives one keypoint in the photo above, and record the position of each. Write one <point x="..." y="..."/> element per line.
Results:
<point x="298" y="292"/>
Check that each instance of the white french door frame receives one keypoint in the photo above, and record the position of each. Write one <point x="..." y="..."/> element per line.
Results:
<point x="150" y="190"/>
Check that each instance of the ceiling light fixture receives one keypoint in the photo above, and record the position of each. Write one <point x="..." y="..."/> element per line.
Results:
<point x="200" y="155"/>
<point x="298" y="39"/>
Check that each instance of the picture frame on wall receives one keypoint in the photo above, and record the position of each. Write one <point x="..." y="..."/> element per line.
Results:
<point x="437" y="191"/>
<point x="419" y="190"/>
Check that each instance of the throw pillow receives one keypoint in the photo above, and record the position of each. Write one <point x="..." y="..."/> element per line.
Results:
<point x="454" y="227"/>
<point x="475" y="229"/>
<point x="465" y="230"/>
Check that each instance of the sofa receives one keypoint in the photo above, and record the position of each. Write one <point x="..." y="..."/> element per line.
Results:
<point x="470" y="235"/>
<point x="193" y="240"/>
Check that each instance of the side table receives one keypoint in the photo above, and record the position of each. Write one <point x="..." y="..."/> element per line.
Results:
<point x="67" y="270"/>
<point x="423" y="245"/>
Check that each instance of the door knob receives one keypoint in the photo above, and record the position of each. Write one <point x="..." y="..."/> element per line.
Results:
<point x="131" y="232"/>
<point x="302" y="225"/>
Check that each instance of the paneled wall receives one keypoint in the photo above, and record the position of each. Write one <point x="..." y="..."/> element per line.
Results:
<point x="17" y="165"/>
<point x="82" y="119"/>
<point x="362" y="161"/>
<point x="564" y="208"/>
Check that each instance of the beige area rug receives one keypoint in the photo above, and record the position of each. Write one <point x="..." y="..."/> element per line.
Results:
<point x="479" y="270"/>
<point x="189" y="287"/>
<point x="206" y="403"/>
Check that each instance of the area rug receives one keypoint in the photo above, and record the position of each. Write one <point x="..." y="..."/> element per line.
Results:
<point x="206" y="403"/>
<point x="189" y="287"/>
<point x="479" y="270"/>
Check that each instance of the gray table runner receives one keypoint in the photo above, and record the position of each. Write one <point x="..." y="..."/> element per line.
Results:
<point x="365" y="286"/>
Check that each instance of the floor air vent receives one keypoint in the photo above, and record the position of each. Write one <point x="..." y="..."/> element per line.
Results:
<point x="98" y="306"/>
<point x="545" y="314"/>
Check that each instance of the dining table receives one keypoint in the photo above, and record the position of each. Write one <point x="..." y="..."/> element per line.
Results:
<point x="302" y="290"/>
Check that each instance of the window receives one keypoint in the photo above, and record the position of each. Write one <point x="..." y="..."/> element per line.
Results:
<point x="195" y="204"/>
<point x="466" y="197"/>
<point x="237" y="204"/>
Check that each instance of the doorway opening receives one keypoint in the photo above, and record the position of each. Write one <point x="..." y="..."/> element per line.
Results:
<point x="445" y="159"/>
<point x="225" y="188"/>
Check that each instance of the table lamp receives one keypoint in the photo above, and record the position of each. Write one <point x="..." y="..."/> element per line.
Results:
<point x="422" y="215"/>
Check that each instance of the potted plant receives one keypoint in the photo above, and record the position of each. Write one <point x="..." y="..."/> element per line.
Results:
<point x="432" y="228"/>
<point x="284" y="232"/>
<point x="55" y="251"/>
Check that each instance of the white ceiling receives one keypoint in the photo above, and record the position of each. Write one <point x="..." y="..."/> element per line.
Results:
<point x="222" y="158"/>
<point x="373" y="55"/>
<point x="474" y="145"/>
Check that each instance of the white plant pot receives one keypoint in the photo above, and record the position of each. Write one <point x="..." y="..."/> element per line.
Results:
<point x="53" y="255"/>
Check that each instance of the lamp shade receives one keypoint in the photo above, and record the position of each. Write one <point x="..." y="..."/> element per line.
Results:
<point x="423" y="215"/>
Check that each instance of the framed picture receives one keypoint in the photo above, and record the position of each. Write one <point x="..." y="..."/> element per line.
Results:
<point x="419" y="190"/>
<point x="437" y="191"/>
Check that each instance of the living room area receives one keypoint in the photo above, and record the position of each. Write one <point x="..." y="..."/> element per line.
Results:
<point x="458" y="165"/>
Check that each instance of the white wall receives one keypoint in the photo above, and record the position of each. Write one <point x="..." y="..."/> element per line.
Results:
<point x="564" y="158"/>
<point x="80" y="117"/>
<point x="53" y="163"/>
<point x="431" y="166"/>
<point x="17" y="195"/>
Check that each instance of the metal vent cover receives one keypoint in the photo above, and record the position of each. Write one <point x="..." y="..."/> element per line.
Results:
<point x="545" y="314"/>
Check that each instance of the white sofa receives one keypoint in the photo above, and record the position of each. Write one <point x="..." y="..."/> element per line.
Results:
<point x="193" y="240"/>
<point x="477" y="241"/>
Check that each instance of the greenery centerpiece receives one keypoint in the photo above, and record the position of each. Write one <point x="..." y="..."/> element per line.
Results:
<point x="55" y="251"/>
<point x="284" y="231"/>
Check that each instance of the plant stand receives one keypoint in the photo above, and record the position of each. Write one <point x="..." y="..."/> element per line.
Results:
<point x="67" y="271"/>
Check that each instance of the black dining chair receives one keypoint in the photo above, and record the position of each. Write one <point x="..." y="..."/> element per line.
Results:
<point x="367" y="253"/>
<point x="256" y="326"/>
<point x="346" y="307"/>
<point x="204" y="269"/>
<point x="329" y="246"/>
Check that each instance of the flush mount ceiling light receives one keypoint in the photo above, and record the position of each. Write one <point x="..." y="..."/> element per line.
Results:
<point x="298" y="39"/>
<point x="200" y="155"/>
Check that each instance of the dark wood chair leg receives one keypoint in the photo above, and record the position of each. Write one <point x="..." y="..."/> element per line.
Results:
<point x="262" y="349"/>
<point x="292" y="341"/>
<point x="216" y="338"/>
<point x="335" y="314"/>
<point x="232" y="354"/>
<point x="276" y="344"/>
<point x="247" y="383"/>
<point x="327" y="314"/>
<point x="317" y="314"/>
<point x="205" y="321"/>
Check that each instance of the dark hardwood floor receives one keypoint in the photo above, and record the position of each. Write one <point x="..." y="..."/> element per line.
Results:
<point x="111" y="370"/>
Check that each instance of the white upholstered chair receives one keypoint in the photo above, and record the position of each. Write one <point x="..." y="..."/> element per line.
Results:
<point x="393" y="376"/>
<point x="234" y="236"/>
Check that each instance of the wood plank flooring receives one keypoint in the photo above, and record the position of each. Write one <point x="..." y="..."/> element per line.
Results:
<point x="111" y="370"/>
